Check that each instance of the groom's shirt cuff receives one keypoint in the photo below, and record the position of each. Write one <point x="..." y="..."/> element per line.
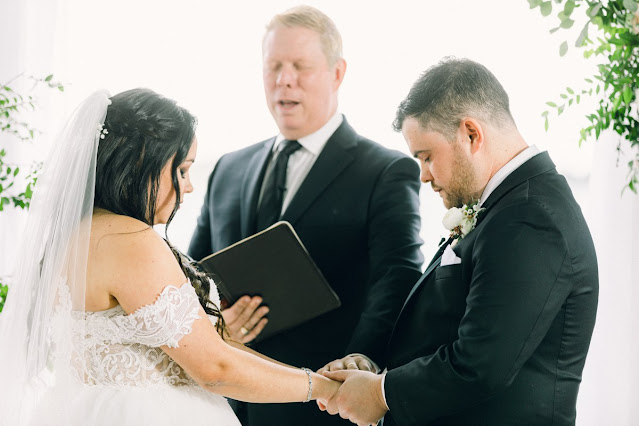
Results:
<point x="383" y="388"/>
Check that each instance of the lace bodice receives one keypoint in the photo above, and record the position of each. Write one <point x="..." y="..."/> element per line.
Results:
<point x="121" y="349"/>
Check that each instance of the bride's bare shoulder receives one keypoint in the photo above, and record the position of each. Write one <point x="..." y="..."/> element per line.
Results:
<point x="124" y="250"/>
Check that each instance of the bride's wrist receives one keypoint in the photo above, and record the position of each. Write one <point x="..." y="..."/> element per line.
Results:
<point x="323" y="387"/>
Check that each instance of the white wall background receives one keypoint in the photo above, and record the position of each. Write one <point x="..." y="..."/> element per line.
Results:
<point x="207" y="55"/>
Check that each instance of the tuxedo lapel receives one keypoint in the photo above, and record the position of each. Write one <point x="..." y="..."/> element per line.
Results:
<point x="431" y="267"/>
<point x="333" y="159"/>
<point x="251" y="185"/>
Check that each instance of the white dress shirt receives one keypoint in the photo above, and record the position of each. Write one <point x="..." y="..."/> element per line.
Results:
<point x="301" y="161"/>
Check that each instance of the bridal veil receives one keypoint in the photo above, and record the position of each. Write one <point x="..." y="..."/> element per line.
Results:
<point x="37" y="333"/>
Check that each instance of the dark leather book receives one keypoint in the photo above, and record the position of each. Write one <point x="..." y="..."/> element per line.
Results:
<point x="275" y="265"/>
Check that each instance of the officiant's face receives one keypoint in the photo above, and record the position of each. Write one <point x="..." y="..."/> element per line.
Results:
<point x="166" y="192"/>
<point x="299" y="83"/>
<point x="444" y="164"/>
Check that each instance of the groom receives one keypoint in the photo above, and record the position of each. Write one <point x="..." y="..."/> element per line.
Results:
<point x="497" y="329"/>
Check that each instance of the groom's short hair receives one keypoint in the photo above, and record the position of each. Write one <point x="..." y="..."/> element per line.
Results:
<point x="451" y="90"/>
<point x="312" y="19"/>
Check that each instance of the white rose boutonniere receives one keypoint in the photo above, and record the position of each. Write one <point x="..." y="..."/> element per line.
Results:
<point x="460" y="221"/>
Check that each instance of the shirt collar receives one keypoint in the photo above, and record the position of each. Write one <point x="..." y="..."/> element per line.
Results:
<point x="315" y="142"/>
<point x="506" y="170"/>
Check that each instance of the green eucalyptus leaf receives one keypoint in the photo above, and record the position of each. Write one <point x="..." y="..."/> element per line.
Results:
<point x="627" y="94"/>
<point x="554" y="30"/>
<point x="563" y="48"/>
<point x="551" y="104"/>
<point x="569" y="7"/>
<point x="545" y="8"/>
<point x="534" y="3"/>
<point x="567" y="23"/>
<point x="594" y="10"/>
<point x="598" y="21"/>
<point x="616" y="103"/>
<point x="569" y="90"/>
<point x="631" y="5"/>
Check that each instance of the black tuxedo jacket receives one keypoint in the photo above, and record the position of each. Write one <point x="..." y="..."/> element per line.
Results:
<point x="357" y="213"/>
<point x="501" y="338"/>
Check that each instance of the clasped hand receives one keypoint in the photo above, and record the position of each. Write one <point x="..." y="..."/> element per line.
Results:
<point x="359" y="398"/>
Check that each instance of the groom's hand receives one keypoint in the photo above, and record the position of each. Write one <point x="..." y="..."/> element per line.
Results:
<point x="350" y="362"/>
<point x="245" y="319"/>
<point x="359" y="399"/>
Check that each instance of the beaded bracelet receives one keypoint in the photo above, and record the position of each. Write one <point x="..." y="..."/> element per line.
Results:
<point x="310" y="384"/>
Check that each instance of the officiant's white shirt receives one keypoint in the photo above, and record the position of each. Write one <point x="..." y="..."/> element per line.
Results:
<point x="301" y="161"/>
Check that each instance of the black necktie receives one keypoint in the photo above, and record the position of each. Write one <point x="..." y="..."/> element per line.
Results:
<point x="273" y="195"/>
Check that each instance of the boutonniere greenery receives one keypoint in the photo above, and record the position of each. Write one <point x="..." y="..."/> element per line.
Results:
<point x="460" y="221"/>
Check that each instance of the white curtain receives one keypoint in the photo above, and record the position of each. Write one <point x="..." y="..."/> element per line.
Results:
<point x="609" y="393"/>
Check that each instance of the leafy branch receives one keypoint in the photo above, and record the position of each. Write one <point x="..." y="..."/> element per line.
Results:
<point x="617" y="78"/>
<point x="12" y="106"/>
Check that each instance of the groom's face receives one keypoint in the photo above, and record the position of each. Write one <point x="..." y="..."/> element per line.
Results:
<point x="444" y="164"/>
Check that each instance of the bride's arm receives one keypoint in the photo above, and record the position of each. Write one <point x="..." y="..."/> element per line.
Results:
<point x="239" y="374"/>
<point x="243" y="347"/>
<point x="136" y="267"/>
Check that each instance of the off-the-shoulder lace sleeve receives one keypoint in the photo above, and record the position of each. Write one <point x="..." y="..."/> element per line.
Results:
<point x="165" y="321"/>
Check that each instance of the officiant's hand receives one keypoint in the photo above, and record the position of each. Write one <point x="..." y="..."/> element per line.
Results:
<point x="245" y="319"/>
<point x="359" y="399"/>
<point x="350" y="362"/>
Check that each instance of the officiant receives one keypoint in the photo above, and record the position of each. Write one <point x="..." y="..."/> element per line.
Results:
<point x="354" y="204"/>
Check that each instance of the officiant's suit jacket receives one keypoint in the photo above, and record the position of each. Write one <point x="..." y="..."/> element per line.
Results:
<point x="357" y="213"/>
<point x="502" y="337"/>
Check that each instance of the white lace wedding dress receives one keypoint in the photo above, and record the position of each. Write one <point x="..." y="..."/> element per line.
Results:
<point x="128" y="379"/>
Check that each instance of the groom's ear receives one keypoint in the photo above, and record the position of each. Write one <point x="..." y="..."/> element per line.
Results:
<point x="473" y="133"/>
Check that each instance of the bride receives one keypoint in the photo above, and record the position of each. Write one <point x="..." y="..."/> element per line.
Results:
<point x="106" y="323"/>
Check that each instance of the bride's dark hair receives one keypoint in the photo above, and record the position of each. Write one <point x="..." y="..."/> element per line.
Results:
<point x="144" y="131"/>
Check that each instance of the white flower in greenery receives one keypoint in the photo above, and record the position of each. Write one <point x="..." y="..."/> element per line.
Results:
<point x="460" y="221"/>
<point x="467" y="225"/>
